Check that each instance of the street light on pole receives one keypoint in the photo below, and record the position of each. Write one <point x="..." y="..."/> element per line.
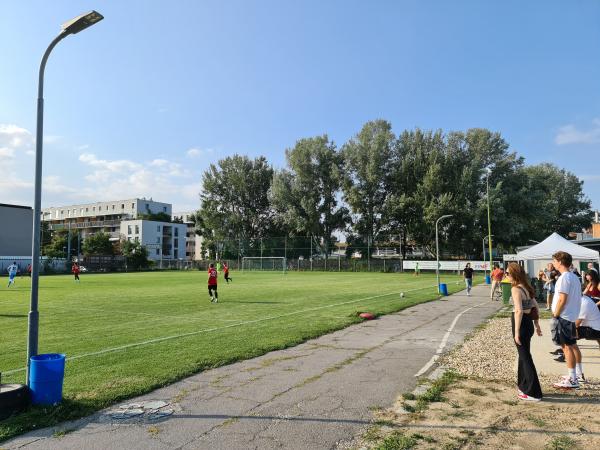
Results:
<point x="483" y="248"/>
<point x="437" y="251"/>
<point x="487" y="184"/>
<point x="73" y="26"/>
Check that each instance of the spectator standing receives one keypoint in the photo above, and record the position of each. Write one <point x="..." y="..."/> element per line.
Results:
<point x="523" y="321"/>
<point x="497" y="276"/>
<point x="566" y="305"/>
<point x="592" y="286"/>
<point x="468" y="276"/>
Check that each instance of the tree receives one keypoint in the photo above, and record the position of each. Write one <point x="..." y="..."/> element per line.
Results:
<point x="135" y="254"/>
<point x="58" y="245"/>
<point x="234" y="201"/>
<point x="97" y="244"/>
<point x="306" y="196"/>
<point x="367" y="180"/>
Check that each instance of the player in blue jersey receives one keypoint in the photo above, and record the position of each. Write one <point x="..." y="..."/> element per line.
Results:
<point x="12" y="273"/>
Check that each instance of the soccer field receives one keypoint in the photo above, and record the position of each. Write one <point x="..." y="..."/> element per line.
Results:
<point x="125" y="334"/>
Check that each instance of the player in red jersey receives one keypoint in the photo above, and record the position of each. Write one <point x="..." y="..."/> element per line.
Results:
<point x="226" y="273"/>
<point x="75" y="269"/>
<point x="212" y="283"/>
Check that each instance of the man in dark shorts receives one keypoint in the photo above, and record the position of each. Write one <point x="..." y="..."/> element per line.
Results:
<point x="566" y="305"/>
<point x="468" y="275"/>
<point x="226" y="273"/>
<point x="212" y="283"/>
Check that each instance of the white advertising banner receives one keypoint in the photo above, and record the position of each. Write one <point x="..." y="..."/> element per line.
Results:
<point x="447" y="265"/>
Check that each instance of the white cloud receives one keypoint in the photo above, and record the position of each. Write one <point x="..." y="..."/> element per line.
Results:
<point x="13" y="138"/>
<point x="196" y="152"/>
<point x="570" y="134"/>
<point x="54" y="185"/>
<point x="51" y="139"/>
<point x="82" y="147"/>
<point x="117" y="165"/>
<point x="159" y="163"/>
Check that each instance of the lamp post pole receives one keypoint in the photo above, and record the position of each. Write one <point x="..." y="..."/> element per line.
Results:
<point x="72" y="27"/>
<point x="437" y="251"/>
<point x="489" y="217"/>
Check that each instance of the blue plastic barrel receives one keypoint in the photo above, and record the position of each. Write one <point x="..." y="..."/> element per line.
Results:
<point x="444" y="289"/>
<point x="488" y="279"/>
<point x="46" y="375"/>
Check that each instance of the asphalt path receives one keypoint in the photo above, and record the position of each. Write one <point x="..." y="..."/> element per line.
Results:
<point x="316" y="395"/>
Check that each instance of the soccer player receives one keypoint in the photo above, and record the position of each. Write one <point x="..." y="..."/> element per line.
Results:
<point x="226" y="272"/>
<point x="417" y="270"/>
<point x="12" y="273"/>
<point x="497" y="276"/>
<point x="212" y="283"/>
<point x="75" y="269"/>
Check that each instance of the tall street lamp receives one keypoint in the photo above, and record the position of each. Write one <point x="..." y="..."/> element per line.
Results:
<point x="483" y="248"/>
<point x="487" y="183"/>
<point x="73" y="26"/>
<point x="437" y="251"/>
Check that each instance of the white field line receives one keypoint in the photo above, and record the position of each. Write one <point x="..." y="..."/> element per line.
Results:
<point x="208" y="330"/>
<point x="440" y="349"/>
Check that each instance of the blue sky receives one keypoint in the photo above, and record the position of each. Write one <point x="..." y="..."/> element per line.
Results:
<point x="142" y="102"/>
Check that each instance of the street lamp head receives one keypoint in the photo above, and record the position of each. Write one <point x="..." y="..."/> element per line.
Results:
<point x="81" y="22"/>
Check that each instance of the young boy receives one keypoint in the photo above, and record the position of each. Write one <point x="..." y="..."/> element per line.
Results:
<point x="226" y="272"/>
<point x="212" y="283"/>
<point x="12" y="273"/>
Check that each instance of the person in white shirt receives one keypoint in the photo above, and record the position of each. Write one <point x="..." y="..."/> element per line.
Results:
<point x="566" y="305"/>
<point x="587" y="327"/>
<point x="12" y="273"/>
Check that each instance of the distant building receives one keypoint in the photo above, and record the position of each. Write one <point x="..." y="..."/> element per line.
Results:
<point x="17" y="228"/>
<point x="193" y="243"/>
<point x="132" y="219"/>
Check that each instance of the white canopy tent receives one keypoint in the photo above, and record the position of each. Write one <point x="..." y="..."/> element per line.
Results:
<point x="555" y="243"/>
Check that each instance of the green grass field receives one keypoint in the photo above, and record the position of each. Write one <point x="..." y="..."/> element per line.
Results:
<point x="126" y="334"/>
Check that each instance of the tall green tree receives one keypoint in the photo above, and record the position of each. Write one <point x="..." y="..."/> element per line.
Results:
<point x="367" y="176"/>
<point x="135" y="254"/>
<point x="235" y="202"/>
<point x="97" y="244"/>
<point x="306" y="196"/>
<point x="58" y="244"/>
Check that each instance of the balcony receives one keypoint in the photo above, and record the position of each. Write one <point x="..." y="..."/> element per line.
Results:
<point x="81" y="225"/>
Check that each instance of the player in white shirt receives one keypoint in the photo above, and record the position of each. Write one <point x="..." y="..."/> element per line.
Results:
<point x="12" y="273"/>
<point x="565" y="310"/>
<point x="588" y="327"/>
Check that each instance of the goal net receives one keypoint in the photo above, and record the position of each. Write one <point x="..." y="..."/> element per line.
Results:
<point x="264" y="263"/>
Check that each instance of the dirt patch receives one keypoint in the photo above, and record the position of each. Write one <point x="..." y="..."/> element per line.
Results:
<point x="486" y="415"/>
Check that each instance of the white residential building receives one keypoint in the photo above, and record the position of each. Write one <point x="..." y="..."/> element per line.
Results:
<point x="134" y="219"/>
<point x="163" y="240"/>
<point x="193" y="243"/>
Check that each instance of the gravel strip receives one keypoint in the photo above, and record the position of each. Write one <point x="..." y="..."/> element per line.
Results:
<point x="489" y="354"/>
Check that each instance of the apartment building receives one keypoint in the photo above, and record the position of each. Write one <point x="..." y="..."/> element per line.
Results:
<point x="163" y="240"/>
<point x="123" y="219"/>
<point x="193" y="242"/>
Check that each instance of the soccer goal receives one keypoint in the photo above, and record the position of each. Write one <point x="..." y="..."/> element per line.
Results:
<point x="264" y="263"/>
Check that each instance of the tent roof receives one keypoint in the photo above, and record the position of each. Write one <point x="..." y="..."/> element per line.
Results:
<point x="555" y="243"/>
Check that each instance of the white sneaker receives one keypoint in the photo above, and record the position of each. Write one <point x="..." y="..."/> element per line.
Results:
<point x="567" y="383"/>
<point x="528" y="398"/>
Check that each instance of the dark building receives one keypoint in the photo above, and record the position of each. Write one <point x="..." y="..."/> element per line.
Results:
<point x="16" y="223"/>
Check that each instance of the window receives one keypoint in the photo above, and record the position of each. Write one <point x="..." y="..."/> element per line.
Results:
<point x="82" y="211"/>
<point x="157" y="251"/>
<point x="133" y="206"/>
<point x="137" y="229"/>
<point x="86" y="209"/>
<point x="128" y="229"/>
<point x="68" y="213"/>
<point x="176" y="243"/>
<point x="147" y="206"/>
<point x="113" y="207"/>
<point x="122" y="205"/>
<point x="94" y="209"/>
<point x="164" y="209"/>
<point x="176" y="231"/>
<point x="158" y="240"/>
<point x="158" y="228"/>
<point x="137" y="239"/>
<point x="62" y="212"/>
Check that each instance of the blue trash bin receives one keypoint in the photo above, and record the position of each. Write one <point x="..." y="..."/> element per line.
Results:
<point x="488" y="279"/>
<point x="46" y="375"/>
<point x="444" y="289"/>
